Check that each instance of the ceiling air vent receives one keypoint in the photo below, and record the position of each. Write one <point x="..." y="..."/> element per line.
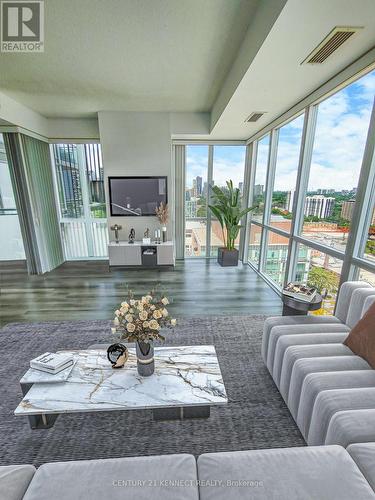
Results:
<point x="254" y="117"/>
<point x="330" y="44"/>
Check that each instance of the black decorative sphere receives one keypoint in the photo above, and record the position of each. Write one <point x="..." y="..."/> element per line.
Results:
<point x="116" y="351"/>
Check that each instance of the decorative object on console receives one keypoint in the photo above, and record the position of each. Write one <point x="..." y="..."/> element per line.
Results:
<point x="146" y="237"/>
<point x="117" y="355"/>
<point x="116" y="228"/>
<point x="300" y="291"/>
<point x="140" y="320"/>
<point x="227" y="208"/>
<point x="163" y="216"/>
<point x="131" y="236"/>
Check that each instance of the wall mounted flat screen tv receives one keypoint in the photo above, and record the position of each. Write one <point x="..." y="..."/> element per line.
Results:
<point x="136" y="196"/>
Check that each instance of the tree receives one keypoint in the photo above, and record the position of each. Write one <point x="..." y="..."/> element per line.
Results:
<point x="323" y="280"/>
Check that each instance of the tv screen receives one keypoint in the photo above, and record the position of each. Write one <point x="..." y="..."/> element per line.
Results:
<point x="136" y="196"/>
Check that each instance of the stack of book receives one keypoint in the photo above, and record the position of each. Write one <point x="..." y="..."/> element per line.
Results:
<point x="300" y="291"/>
<point x="52" y="363"/>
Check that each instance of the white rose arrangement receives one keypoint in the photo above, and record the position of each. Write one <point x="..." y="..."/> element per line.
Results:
<point x="140" y="320"/>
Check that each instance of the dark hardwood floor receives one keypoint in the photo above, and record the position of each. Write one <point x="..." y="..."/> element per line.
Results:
<point x="89" y="290"/>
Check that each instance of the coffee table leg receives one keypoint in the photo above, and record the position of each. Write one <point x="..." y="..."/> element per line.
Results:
<point x="42" y="421"/>
<point x="197" y="411"/>
<point x="180" y="413"/>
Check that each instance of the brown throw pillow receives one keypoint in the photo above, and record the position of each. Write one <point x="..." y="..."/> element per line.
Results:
<point x="361" y="339"/>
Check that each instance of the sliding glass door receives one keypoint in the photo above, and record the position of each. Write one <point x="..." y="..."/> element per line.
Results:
<point x="11" y="247"/>
<point x="82" y="208"/>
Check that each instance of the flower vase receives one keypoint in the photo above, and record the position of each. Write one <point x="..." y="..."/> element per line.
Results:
<point x="145" y="358"/>
<point x="164" y="233"/>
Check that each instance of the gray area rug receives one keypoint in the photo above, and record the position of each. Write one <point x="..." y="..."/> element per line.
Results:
<point x="256" y="416"/>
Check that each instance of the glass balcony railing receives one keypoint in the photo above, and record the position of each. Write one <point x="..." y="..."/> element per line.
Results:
<point x="84" y="240"/>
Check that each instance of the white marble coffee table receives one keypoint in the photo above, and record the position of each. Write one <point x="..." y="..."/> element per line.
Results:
<point x="186" y="383"/>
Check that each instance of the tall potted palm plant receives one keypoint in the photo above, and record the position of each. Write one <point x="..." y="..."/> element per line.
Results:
<point x="226" y="206"/>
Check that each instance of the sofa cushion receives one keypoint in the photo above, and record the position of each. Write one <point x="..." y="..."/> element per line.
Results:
<point x="367" y="304"/>
<point x="351" y="426"/>
<point x="357" y="305"/>
<point x="324" y="473"/>
<point x="14" y="481"/>
<point x="344" y="298"/>
<point x="361" y="339"/>
<point x="290" y="320"/>
<point x="303" y="339"/>
<point x="306" y="351"/>
<point x="330" y="402"/>
<point x="297" y="379"/>
<point x="364" y="457"/>
<point x="279" y="332"/>
<point x="119" y="478"/>
<point x="343" y="372"/>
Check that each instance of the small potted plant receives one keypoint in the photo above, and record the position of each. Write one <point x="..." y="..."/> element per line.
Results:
<point x="163" y="216"/>
<point x="139" y="320"/>
<point x="227" y="208"/>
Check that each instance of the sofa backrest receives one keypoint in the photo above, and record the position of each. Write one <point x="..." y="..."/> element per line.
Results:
<point x="367" y="304"/>
<point x="345" y="295"/>
<point x="357" y="303"/>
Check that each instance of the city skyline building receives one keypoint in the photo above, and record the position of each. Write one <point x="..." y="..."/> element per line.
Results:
<point x="290" y="200"/>
<point x="319" y="206"/>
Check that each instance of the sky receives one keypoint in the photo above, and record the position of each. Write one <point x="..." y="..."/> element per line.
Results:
<point x="339" y="142"/>
<point x="228" y="163"/>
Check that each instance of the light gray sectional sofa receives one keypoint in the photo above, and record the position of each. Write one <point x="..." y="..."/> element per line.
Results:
<point x="329" y="390"/>
<point x="330" y="393"/>
<point x="315" y="473"/>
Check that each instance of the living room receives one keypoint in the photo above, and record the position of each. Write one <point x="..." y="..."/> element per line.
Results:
<point x="187" y="258"/>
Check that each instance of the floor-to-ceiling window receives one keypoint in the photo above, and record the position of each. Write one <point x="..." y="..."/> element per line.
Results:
<point x="80" y="186"/>
<point x="314" y="164"/>
<point x="261" y="165"/>
<point x="286" y="169"/>
<point x="11" y="247"/>
<point x="208" y="165"/>
<point x="228" y="164"/>
<point x="340" y="136"/>
<point x="196" y="193"/>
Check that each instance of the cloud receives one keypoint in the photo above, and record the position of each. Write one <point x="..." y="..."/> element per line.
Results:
<point x="228" y="163"/>
<point x="339" y="142"/>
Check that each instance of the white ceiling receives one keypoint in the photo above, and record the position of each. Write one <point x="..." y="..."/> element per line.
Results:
<point x="136" y="55"/>
<point x="230" y="57"/>
<point x="276" y="80"/>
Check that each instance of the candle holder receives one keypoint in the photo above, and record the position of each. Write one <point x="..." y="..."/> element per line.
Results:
<point x="116" y="228"/>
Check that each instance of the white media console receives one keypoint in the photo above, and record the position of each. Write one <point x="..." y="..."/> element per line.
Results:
<point x="139" y="254"/>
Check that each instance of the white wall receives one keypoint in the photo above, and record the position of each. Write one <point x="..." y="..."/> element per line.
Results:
<point x="22" y="116"/>
<point x="18" y="115"/>
<point x="136" y="144"/>
<point x="73" y="129"/>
